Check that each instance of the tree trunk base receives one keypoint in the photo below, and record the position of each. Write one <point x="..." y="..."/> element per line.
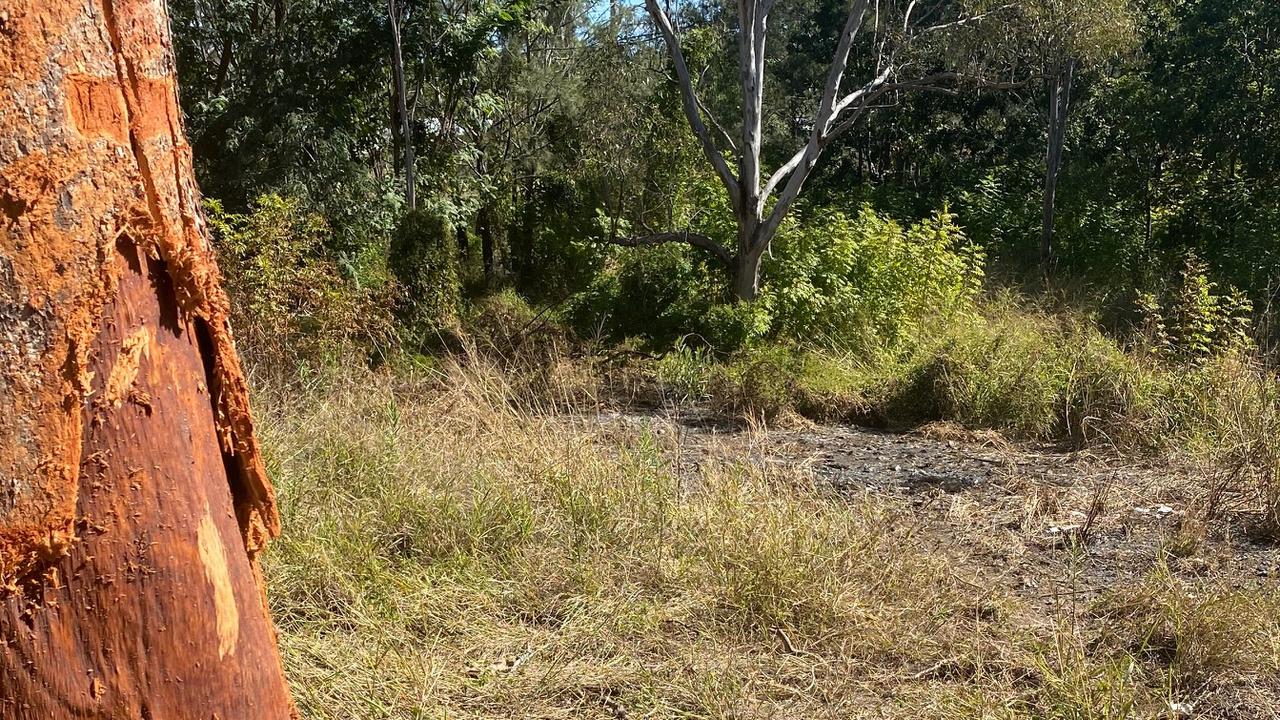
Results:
<point x="156" y="611"/>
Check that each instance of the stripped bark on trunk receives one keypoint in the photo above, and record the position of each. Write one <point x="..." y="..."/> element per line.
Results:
<point x="133" y="499"/>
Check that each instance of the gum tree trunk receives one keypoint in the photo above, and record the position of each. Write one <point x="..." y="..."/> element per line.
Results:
<point x="396" y="13"/>
<point x="745" y="266"/>
<point x="133" y="501"/>
<point x="1061" y="78"/>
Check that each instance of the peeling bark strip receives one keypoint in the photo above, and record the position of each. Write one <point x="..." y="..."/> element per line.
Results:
<point x="155" y="612"/>
<point x="91" y="150"/>
<point x="133" y="499"/>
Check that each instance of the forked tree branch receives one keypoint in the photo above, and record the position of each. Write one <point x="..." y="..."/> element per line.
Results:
<point x="833" y="117"/>
<point x="835" y="113"/>
<point x="828" y="110"/>
<point x="690" y="99"/>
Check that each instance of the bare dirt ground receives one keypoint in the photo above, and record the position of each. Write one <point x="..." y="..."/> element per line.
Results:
<point x="1052" y="535"/>
<point x="1045" y="523"/>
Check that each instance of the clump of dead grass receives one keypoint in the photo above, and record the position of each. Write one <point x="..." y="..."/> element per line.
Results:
<point x="459" y="546"/>
<point x="1198" y="634"/>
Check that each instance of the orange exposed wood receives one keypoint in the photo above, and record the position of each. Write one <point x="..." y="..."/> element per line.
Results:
<point x="155" y="612"/>
<point x="133" y="499"/>
<point x="97" y="107"/>
<point x="93" y="149"/>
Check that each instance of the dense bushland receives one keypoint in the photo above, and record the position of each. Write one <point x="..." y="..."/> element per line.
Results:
<point x="294" y="298"/>
<point x="860" y="320"/>
<point x="898" y="290"/>
<point x="549" y="130"/>
<point x="459" y="235"/>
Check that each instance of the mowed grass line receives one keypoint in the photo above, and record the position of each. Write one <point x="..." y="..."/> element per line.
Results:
<point x="451" y="553"/>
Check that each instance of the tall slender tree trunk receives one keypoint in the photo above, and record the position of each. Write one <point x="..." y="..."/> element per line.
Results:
<point x="393" y="121"/>
<point x="133" y="501"/>
<point x="1060" y="81"/>
<point x="402" y="104"/>
<point x="224" y="64"/>
<point x="484" y="226"/>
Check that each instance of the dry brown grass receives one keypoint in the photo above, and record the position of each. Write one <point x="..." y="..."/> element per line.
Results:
<point x="460" y="544"/>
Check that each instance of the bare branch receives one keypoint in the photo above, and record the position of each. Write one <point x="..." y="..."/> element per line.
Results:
<point x="928" y="83"/>
<point x="826" y="107"/>
<point x="690" y="100"/>
<point x="716" y="124"/>
<point x="698" y="240"/>
<point x="970" y="20"/>
<point x="712" y="119"/>
<point x="819" y="141"/>
<point x="838" y="64"/>
<point x="782" y="172"/>
<point x="906" y="19"/>
<point x="861" y="93"/>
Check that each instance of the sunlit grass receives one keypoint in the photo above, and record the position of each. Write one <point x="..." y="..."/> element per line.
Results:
<point x="456" y="549"/>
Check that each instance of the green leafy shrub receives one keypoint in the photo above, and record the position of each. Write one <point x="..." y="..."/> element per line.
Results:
<point x="660" y="294"/>
<point x="291" y="296"/>
<point x="836" y="280"/>
<point x="684" y="374"/>
<point x="1001" y="216"/>
<point x="759" y="382"/>
<point x="1002" y="367"/>
<point x="526" y="342"/>
<point x="424" y="258"/>
<point x="502" y="318"/>
<point x="864" y="280"/>
<point x="734" y="325"/>
<point x="1191" y="320"/>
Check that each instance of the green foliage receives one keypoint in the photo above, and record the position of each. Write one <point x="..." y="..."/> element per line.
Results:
<point x="1027" y="374"/>
<point x="540" y="132"/>
<point x="769" y="381"/>
<point x="1001" y="367"/>
<point x="834" y="280"/>
<point x="736" y="325"/>
<point x="552" y="256"/>
<point x="761" y="381"/>
<point x="424" y="258"/>
<point x="292" y="297"/>
<point x="863" y="279"/>
<point x="997" y="211"/>
<point x="543" y="121"/>
<point x="658" y="294"/>
<point x="1086" y="30"/>
<point x="1192" y="321"/>
<point x="683" y="374"/>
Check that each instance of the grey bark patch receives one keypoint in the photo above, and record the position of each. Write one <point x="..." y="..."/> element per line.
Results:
<point x="24" y="339"/>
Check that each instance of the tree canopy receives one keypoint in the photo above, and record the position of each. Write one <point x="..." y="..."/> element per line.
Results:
<point x="542" y="132"/>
